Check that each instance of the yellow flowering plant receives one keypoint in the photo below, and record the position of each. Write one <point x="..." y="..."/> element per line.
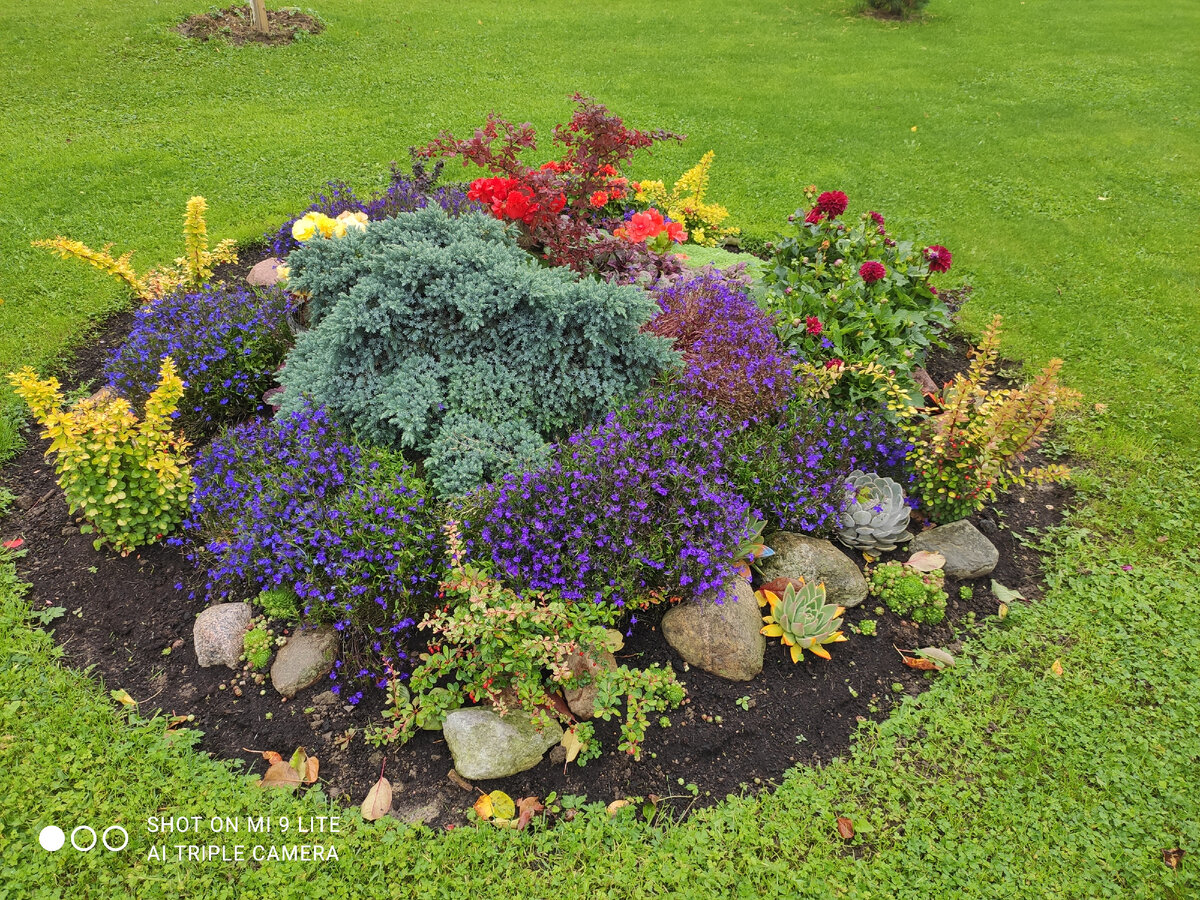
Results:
<point x="129" y="478"/>
<point x="191" y="270"/>
<point x="313" y="224"/>
<point x="685" y="204"/>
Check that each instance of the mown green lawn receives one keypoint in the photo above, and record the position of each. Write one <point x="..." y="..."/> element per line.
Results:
<point x="1055" y="153"/>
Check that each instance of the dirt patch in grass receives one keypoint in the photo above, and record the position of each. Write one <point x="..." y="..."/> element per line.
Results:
<point x="131" y="618"/>
<point x="233" y="23"/>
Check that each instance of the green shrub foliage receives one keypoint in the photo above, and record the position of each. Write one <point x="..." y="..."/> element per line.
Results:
<point x="441" y="335"/>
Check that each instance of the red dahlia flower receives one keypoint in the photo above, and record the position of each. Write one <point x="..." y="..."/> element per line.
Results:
<point x="876" y="218"/>
<point x="939" y="258"/>
<point x="814" y="325"/>
<point x="599" y="199"/>
<point x="872" y="271"/>
<point x="832" y="203"/>
<point x="814" y="216"/>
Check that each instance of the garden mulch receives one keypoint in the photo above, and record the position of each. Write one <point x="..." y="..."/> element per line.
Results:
<point x="126" y="618"/>
<point x="233" y="24"/>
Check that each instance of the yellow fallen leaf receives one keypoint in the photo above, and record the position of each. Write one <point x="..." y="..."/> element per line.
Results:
<point x="1057" y="668"/>
<point x="483" y="806"/>
<point x="123" y="698"/>
<point x="616" y="806"/>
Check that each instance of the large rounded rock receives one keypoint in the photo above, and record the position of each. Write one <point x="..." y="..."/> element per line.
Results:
<point x="305" y="659"/>
<point x="265" y="273"/>
<point x="968" y="553"/>
<point x="724" y="639"/>
<point x="815" y="560"/>
<point x="219" y="633"/>
<point x="486" y="745"/>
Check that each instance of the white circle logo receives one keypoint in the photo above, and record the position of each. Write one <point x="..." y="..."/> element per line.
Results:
<point x="52" y="838"/>
<point x="124" y="834"/>
<point x="76" y="831"/>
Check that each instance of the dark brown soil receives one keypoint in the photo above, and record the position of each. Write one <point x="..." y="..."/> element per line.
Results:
<point x="233" y="24"/>
<point x="126" y="617"/>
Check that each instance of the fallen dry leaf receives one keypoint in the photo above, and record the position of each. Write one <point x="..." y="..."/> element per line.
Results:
<point x="123" y="698"/>
<point x="1056" y="668"/>
<point x="616" y="806"/>
<point x="311" y="770"/>
<point x="1173" y="858"/>
<point x="483" y="806"/>
<point x="281" y="774"/>
<point x="527" y="808"/>
<point x="845" y="828"/>
<point x="914" y="662"/>
<point x="379" y="800"/>
<point x="925" y="561"/>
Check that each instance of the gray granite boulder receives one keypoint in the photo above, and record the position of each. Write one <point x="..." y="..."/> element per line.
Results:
<point x="724" y="639"/>
<point x="219" y="632"/>
<point x="968" y="553"/>
<point x="485" y="744"/>
<point x="305" y="659"/>
<point x="815" y="560"/>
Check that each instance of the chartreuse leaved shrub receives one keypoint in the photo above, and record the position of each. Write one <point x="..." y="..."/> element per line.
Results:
<point x="440" y="334"/>
<point x="189" y="271"/>
<point x="128" y="477"/>
<point x="971" y="448"/>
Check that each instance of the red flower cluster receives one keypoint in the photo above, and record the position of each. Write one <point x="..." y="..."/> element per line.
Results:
<point x="648" y="225"/>
<point x="814" y="325"/>
<point x="814" y="216"/>
<point x="508" y="198"/>
<point x="939" y="258"/>
<point x="872" y="271"/>
<point x="832" y="203"/>
<point x="876" y="218"/>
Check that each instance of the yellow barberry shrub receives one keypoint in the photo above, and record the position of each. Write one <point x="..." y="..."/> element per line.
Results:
<point x="189" y="271"/>
<point x="685" y="204"/>
<point x="129" y="478"/>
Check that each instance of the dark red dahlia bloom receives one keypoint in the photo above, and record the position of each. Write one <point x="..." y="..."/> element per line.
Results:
<point x="872" y="271"/>
<point x="832" y="203"/>
<point x="939" y="258"/>
<point x="814" y="325"/>
<point x="876" y="218"/>
<point x="814" y="216"/>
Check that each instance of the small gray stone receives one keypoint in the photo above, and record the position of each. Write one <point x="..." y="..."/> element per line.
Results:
<point x="582" y="701"/>
<point x="418" y="813"/>
<point x="968" y="553"/>
<point x="813" y="559"/>
<point x="264" y="274"/>
<point x="219" y="632"/>
<point x="486" y="745"/>
<point x="724" y="639"/>
<point x="304" y="660"/>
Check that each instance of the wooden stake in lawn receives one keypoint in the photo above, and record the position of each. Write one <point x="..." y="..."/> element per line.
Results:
<point x="258" y="16"/>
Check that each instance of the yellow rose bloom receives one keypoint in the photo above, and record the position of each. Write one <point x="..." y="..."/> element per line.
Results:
<point x="324" y="224"/>
<point x="282" y="272"/>
<point x="356" y="221"/>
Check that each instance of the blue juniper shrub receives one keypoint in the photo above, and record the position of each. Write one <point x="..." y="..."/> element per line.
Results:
<point x="292" y="502"/>
<point x="432" y="332"/>
<point x="227" y="342"/>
